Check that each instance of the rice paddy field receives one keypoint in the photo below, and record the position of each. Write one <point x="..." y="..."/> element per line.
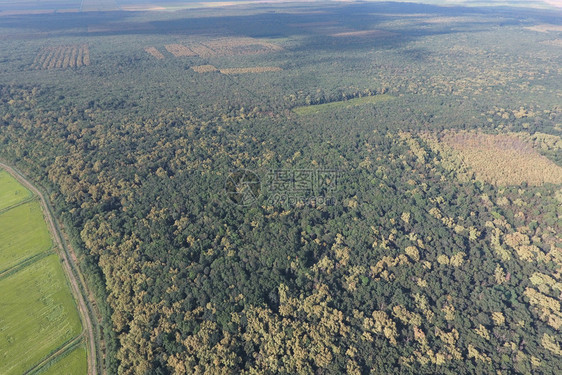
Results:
<point x="38" y="315"/>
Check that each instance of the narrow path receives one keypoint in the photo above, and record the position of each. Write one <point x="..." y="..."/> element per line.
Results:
<point x="68" y="266"/>
<point x="26" y="262"/>
<point x="30" y="199"/>
<point x="70" y="345"/>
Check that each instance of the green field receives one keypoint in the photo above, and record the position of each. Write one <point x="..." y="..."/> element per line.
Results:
<point x="37" y="312"/>
<point x="37" y="315"/>
<point x="319" y="108"/>
<point x="23" y="233"/>
<point x="73" y="363"/>
<point x="11" y="191"/>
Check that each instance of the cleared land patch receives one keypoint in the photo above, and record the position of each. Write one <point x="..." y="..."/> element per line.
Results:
<point x="255" y="69"/>
<point x="62" y="57"/>
<point x="201" y="50"/>
<point x="313" y="109"/>
<point x="154" y="52"/>
<point x="227" y="46"/>
<point x="204" y="68"/>
<point x="37" y="315"/>
<point x="23" y="233"/>
<point x="240" y="46"/>
<point x="11" y="192"/>
<point x="179" y="50"/>
<point x="503" y="159"/>
<point x="73" y="363"/>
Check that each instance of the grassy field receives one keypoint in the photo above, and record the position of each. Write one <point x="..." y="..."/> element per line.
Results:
<point x="73" y="363"/>
<point x="37" y="311"/>
<point x="23" y="233"/>
<point x="502" y="159"/>
<point x="37" y="315"/>
<point x="11" y="192"/>
<point x="314" y="109"/>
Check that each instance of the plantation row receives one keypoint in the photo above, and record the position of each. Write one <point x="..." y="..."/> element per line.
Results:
<point x="57" y="57"/>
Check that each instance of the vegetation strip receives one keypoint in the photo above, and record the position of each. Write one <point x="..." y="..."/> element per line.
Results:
<point x="10" y="271"/>
<point x="317" y="108"/>
<point x="39" y="314"/>
<point x="64" y="348"/>
<point x="14" y="195"/>
<point x="72" y="361"/>
<point x="17" y="205"/>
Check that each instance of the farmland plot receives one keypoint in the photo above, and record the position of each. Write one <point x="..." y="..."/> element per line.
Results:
<point x="154" y="52"/>
<point x="73" y="363"/>
<point x="204" y="68"/>
<point x="37" y="315"/>
<point x="62" y="57"/>
<point x="179" y="50"/>
<point x="240" y="46"/>
<point x="23" y="234"/>
<point x="11" y="192"/>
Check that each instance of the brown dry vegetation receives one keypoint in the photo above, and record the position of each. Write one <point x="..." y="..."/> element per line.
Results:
<point x="504" y="159"/>
<point x="179" y="50"/>
<point x="254" y="69"/>
<point x="202" y="50"/>
<point x="62" y="57"/>
<point x="154" y="52"/>
<point x="204" y="68"/>
<point x="241" y="46"/>
<point x="228" y="46"/>
<point x="545" y="142"/>
<point x="231" y="46"/>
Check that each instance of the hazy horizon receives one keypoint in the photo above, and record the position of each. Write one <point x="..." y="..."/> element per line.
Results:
<point x="11" y="7"/>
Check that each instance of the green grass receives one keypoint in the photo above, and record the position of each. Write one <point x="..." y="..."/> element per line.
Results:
<point x="318" y="108"/>
<point x="73" y="363"/>
<point x="11" y="191"/>
<point x="37" y="315"/>
<point x="23" y="233"/>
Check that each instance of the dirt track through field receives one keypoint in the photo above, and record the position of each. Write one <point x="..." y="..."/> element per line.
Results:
<point x="68" y="265"/>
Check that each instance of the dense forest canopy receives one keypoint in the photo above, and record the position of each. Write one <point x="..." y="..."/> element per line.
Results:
<point x="399" y="209"/>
